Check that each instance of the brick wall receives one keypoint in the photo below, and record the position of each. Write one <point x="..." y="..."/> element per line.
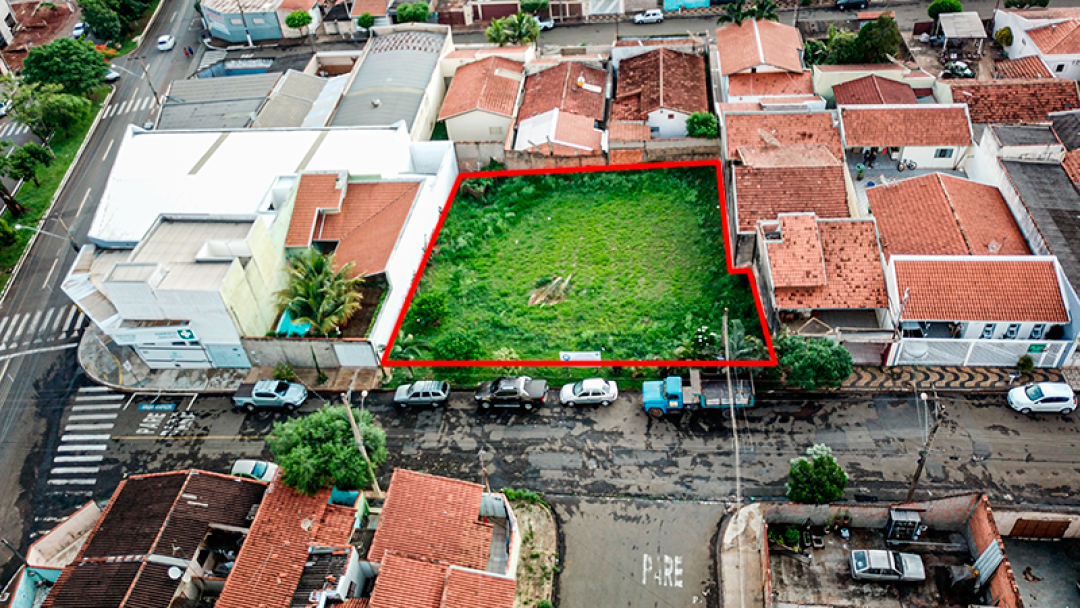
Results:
<point x="985" y="531"/>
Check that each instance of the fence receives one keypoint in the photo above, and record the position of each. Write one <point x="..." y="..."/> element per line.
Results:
<point x="305" y="352"/>
<point x="473" y="156"/>
<point x="979" y="353"/>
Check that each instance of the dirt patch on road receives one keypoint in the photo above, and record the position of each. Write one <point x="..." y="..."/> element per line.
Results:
<point x="539" y="553"/>
<point x="37" y="28"/>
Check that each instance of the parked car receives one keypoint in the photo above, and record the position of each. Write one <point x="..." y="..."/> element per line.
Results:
<point x="425" y="392"/>
<point x="255" y="469"/>
<point x="521" y="391"/>
<point x="650" y="16"/>
<point x="166" y="43"/>
<point x="79" y="31"/>
<point x="270" y="393"/>
<point x="545" y="24"/>
<point x="4" y="107"/>
<point x="112" y="76"/>
<point x="881" y="565"/>
<point x="855" y="4"/>
<point x="589" y="391"/>
<point x="1043" y="397"/>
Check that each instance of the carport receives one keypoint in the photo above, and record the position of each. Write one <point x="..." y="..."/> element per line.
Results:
<point x="962" y="27"/>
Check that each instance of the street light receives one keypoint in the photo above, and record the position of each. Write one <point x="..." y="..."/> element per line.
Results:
<point x="69" y="237"/>
<point x="925" y="451"/>
<point x="360" y="440"/>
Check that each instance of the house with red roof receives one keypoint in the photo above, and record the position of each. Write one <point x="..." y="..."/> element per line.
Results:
<point x="1012" y="101"/>
<point x="932" y="136"/>
<point x="482" y="99"/>
<point x="761" y="63"/>
<point x="828" y="77"/>
<point x="661" y="88"/>
<point x="562" y="110"/>
<point x="1052" y="35"/>
<point x="874" y="90"/>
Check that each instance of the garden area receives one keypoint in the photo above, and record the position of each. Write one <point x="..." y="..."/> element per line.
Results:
<point x="627" y="263"/>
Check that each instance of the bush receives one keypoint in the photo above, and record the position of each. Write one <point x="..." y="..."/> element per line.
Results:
<point x="1025" y="365"/>
<point x="534" y="6"/>
<point x="791" y="537"/>
<point x="813" y="363"/>
<point x="544" y="604"/>
<point x="458" y="346"/>
<point x="284" y="371"/>
<point x="1004" y="36"/>
<point x="527" y="496"/>
<point x="816" y="478"/>
<point x="943" y="6"/>
<point x="415" y="12"/>
<point x="7" y="234"/>
<point x="429" y="309"/>
<point x="1026" y="3"/>
<point x="702" y="124"/>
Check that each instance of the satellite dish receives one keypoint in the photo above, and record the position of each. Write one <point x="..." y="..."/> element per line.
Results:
<point x="175" y="573"/>
<point x="994" y="247"/>
<point x="306" y="524"/>
<point x="769" y="138"/>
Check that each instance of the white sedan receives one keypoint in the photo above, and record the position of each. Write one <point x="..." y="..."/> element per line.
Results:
<point x="166" y="43"/>
<point x="254" y="469"/>
<point x="881" y="565"/>
<point x="1043" y="397"/>
<point x="589" y="392"/>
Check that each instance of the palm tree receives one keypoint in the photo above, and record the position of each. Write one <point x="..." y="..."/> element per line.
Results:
<point x="765" y="10"/>
<point x="409" y="348"/>
<point x="742" y="347"/>
<point x="522" y="28"/>
<point x="318" y="294"/>
<point x="735" y="12"/>
<point x="496" y="33"/>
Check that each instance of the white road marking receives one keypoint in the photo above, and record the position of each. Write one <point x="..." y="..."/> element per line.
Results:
<point x="81" y="417"/>
<point x="44" y="349"/>
<point x="88" y="427"/>
<point x="85" y="438"/>
<point x="91" y="458"/>
<point x="72" y="482"/>
<point x="123" y="107"/>
<point x="44" y="331"/>
<point x="56" y="321"/>
<point x="83" y="203"/>
<point x="78" y="322"/>
<point x="18" y="332"/>
<point x="110" y="111"/>
<point x="82" y="448"/>
<point x="7" y="128"/>
<point x="109" y="397"/>
<point x="3" y="323"/>
<point x="108" y="149"/>
<point x="67" y="325"/>
<point x="75" y="470"/>
<point x="88" y="389"/>
<point x="96" y="408"/>
<point x="48" y="277"/>
<point x="33" y="326"/>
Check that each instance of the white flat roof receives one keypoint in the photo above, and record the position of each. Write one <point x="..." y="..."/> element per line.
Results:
<point x="962" y="25"/>
<point x="229" y="172"/>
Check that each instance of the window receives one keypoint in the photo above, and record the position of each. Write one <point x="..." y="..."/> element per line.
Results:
<point x="654" y="130"/>
<point x="258" y="21"/>
<point x="1014" y="328"/>
<point x="943" y="153"/>
<point x="495" y="130"/>
<point x="1060" y="68"/>
<point x="235" y="21"/>
<point x="1037" y="331"/>
<point x="988" y="331"/>
<point x="671" y="117"/>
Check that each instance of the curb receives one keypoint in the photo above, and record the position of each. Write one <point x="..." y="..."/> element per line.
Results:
<point x="56" y="195"/>
<point x="149" y="24"/>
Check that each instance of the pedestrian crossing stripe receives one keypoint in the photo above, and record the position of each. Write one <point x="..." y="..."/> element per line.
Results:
<point x="12" y="129"/>
<point x="130" y="105"/>
<point x="55" y="324"/>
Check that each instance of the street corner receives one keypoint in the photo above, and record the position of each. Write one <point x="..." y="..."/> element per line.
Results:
<point x="637" y="553"/>
<point x="155" y="416"/>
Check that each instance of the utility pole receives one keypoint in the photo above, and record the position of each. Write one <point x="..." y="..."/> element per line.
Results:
<point x="939" y="412"/>
<point x="14" y="551"/>
<point x="360" y="440"/>
<point x="734" y="418"/>
<point x="150" y="81"/>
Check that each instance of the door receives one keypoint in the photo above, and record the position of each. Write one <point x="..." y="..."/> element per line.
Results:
<point x="1030" y="528"/>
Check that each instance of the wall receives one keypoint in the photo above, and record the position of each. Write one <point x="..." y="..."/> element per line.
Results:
<point x="672" y="123"/>
<point x="473" y="156"/>
<point x="984" y="532"/>
<point x="825" y="81"/>
<point x="924" y="156"/>
<point x="5" y="30"/>
<point x="57" y="547"/>
<point x="950" y="513"/>
<point x="230" y="26"/>
<point x="1022" y="45"/>
<point x="288" y="32"/>
<point x="297" y="352"/>
<point x="248" y="291"/>
<point x="428" y="112"/>
<point x="1006" y="519"/>
<point x="1069" y="64"/>
<point x="476" y="126"/>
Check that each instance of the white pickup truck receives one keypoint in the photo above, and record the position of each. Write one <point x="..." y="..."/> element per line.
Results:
<point x="270" y="393"/>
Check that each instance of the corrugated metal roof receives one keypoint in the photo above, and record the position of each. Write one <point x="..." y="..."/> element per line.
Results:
<point x="216" y="115"/>
<point x="226" y="88"/>
<point x="292" y="101"/>
<point x="390" y="84"/>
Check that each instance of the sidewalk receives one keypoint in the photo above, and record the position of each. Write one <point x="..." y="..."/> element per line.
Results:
<point x="974" y="379"/>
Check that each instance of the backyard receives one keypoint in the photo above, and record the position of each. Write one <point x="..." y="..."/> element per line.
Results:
<point x="628" y="263"/>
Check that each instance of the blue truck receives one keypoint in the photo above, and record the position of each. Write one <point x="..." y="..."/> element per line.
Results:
<point x="671" y="395"/>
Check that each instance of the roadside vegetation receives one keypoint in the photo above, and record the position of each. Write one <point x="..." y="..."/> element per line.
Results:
<point x="118" y="22"/>
<point x="874" y="43"/>
<point x="628" y="263"/>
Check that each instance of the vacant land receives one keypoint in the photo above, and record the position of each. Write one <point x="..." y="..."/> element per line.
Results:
<point x="630" y="263"/>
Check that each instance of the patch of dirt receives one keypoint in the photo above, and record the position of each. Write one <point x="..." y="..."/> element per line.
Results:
<point x="38" y="29"/>
<point x="539" y="553"/>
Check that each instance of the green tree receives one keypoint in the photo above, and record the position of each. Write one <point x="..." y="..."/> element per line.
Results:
<point x="534" y="6"/>
<point x="1004" y="36"/>
<point x="813" y="363"/>
<point x="458" y="346"/>
<point x="7" y="234"/>
<point x="842" y="48"/>
<point x="416" y="12"/>
<point x="735" y="12"/>
<point x="765" y="10"/>
<point x="101" y="20"/>
<point x="42" y="108"/>
<point x="878" y="40"/>
<point x="702" y="124"/>
<point x="943" y="6"/>
<point x="24" y="162"/>
<point x="816" y="478"/>
<point x="72" y="64"/>
<point x="300" y="20"/>
<point x="318" y="294"/>
<point x="129" y="11"/>
<point x="409" y="348"/>
<point x="366" y="21"/>
<point x="496" y="33"/>
<point x="318" y="450"/>
<point x="519" y="28"/>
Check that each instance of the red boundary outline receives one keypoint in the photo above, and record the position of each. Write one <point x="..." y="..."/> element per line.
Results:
<point x="387" y="362"/>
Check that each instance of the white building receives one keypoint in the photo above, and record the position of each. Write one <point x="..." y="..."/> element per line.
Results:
<point x="662" y="88"/>
<point x="937" y="136"/>
<point x="1052" y="34"/>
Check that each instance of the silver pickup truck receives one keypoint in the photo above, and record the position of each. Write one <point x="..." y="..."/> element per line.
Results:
<point x="270" y="393"/>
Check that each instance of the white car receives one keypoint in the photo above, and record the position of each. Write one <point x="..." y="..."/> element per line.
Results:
<point x="650" y="16"/>
<point x="589" y="392"/>
<point x="166" y="43"/>
<point x="112" y="76"/>
<point x="79" y="31"/>
<point x="881" y="565"/>
<point x="255" y="469"/>
<point x="545" y="24"/>
<point x="1043" y="397"/>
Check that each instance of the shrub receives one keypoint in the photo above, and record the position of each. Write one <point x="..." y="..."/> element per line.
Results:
<point x="534" y="6"/>
<point x="429" y="309"/>
<point x="1004" y="36"/>
<point x="415" y="12"/>
<point x="816" y="478"/>
<point x="791" y="537"/>
<point x="544" y="604"/>
<point x="527" y="496"/>
<point x="7" y="234"/>
<point x="702" y="124"/>
<point x="458" y="346"/>
<point x="943" y="6"/>
<point x="1025" y="365"/>
<point x="284" y="371"/>
<point x="813" y="363"/>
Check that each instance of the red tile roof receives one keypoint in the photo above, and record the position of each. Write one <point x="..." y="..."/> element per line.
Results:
<point x="557" y="87"/>
<point x="1028" y="67"/>
<point x="456" y="536"/>
<point x="269" y="565"/>
<point x="939" y="214"/>
<point x="316" y="192"/>
<point x="621" y="130"/>
<point x="753" y="43"/>
<point x="873" y="15"/>
<point x="377" y="8"/>
<point x="1071" y="164"/>
<point x="874" y="89"/>
<point x="660" y="79"/>
<point x="1058" y="38"/>
<point x="491" y="85"/>
<point x="478" y="590"/>
<point x="788" y="179"/>
<point x="971" y="289"/>
<point x="860" y="67"/>
<point x="407" y="582"/>
<point x="899" y="126"/>
<point x="669" y="42"/>
<point x="798" y="128"/>
<point x="1015" y="101"/>
<point x="1057" y="12"/>
<point x="827" y="264"/>
<point x="770" y="84"/>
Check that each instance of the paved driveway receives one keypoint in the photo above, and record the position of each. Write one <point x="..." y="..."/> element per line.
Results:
<point x="637" y="553"/>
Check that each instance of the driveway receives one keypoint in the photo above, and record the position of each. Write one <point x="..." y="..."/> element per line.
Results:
<point x="636" y="553"/>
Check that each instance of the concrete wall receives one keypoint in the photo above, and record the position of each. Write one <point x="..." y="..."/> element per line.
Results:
<point x="297" y="352"/>
<point x="924" y="156"/>
<point x="478" y="125"/>
<point x="1006" y="519"/>
<point x="473" y="156"/>
<point x="984" y="532"/>
<point x="951" y="513"/>
<point x="5" y="30"/>
<point x="671" y="123"/>
<point x="230" y="26"/>
<point x="250" y="292"/>
<point x="428" y="113"/>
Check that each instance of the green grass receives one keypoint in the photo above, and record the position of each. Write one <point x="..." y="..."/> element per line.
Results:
<point x="439" y="132"/>
<point x="643" y="251"/>
<point x="135" y="28"/>
<point x="36" y="199"/>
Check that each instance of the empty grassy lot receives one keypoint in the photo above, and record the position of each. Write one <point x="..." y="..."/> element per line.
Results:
<point x="630" y="263"/>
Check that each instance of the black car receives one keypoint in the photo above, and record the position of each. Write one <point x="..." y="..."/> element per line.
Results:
<point x="855" y="4"/>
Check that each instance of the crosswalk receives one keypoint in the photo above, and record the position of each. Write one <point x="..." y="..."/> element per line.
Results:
<point x="131" y="105"/>
<point x="84" y="439"/>
<point x="11" y="129"/>
<point x="40" y="327"/>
